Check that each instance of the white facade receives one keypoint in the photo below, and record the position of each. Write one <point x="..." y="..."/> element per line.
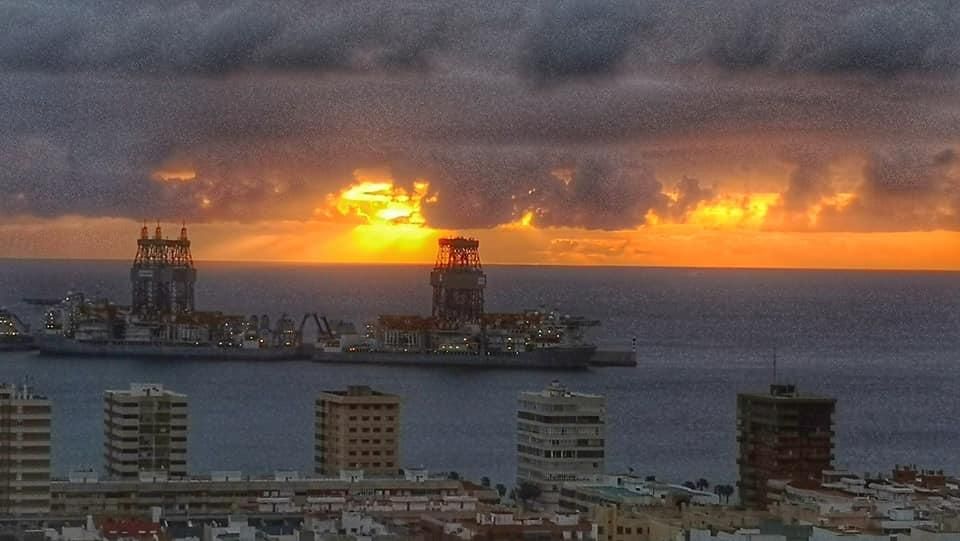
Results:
<point x="145" y="431"/>
<point x="560" y="438"/>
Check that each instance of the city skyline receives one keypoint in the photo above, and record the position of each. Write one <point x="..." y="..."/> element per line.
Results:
<point x="811" y="135"/>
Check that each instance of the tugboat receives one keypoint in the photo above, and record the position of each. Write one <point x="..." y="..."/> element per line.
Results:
<point x="14" y="333"/>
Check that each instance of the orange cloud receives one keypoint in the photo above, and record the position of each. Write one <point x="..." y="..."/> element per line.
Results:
<point x="174" y="175"/>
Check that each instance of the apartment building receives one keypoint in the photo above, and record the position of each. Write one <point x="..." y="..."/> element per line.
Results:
<point x="24" y="451"/>
<point x="560" y="438"/>
<point x="357" y="429"/>
<point x="781" y="435"/>
<point x="145" y="432"/>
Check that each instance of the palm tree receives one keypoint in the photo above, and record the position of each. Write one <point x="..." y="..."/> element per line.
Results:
<point x="724" y="491"/>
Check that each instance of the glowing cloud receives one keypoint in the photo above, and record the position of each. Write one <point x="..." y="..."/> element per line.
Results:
<point x="387" y="216"/>
<point x="376" y="200"/>
<point x="733" y="211"/>
<point x="174" y="175"/>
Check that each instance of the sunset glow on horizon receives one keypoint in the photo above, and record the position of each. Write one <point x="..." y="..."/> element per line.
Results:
<point x="373" y="220"/>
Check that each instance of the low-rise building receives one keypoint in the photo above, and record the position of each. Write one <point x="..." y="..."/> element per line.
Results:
<point x="629" y="490"/>
<point x="347" y="525"/>
<point x="508" y="524"/>
<point x="670" y="522"/>
<point x="843" y="503"/>
<point x="226" y="493"/>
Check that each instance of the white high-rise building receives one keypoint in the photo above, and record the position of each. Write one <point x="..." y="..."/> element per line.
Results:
<point x="560" y="438"/>
<point x="145" y="431"/>
<point x="24" y="452"/>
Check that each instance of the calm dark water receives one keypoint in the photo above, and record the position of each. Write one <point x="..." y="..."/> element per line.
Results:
<point x="887" y="345"/>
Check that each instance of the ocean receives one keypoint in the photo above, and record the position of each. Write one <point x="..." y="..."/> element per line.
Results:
<point x="885" y="344"/>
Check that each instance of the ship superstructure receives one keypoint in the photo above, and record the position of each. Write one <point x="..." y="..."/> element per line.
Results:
<point x="14" y="333"/>
<point x="162" y="276"/>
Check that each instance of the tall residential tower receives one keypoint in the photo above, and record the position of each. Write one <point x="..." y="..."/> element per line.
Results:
<point x="358" y="428"/>
<point x="145" y="431"/>
<point x="24" y="452"/>
<point x="560" y="438"/>
<point x="781" y="435"/>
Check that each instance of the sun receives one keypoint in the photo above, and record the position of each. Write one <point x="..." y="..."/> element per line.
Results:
<point x="387" y="216"/>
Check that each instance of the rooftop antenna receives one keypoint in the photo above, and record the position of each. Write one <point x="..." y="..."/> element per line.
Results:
<point x="774" y="364"/>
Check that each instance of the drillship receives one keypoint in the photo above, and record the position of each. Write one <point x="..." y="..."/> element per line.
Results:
<point x="460" y="333"/>
<point x="162" y="320"/>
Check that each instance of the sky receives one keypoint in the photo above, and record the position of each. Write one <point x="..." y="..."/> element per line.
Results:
<point x="717" y="133"/>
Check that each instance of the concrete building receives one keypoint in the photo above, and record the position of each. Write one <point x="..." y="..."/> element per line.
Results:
<point x="902" y="504"/>
<point x="358" y="428"/>
<point x="282" y="494"/>
<point x="24" y="452"/>
<point x="507" y="524"/>
<point x="781" y="435"/>
<point x="673" y="522"/>
<point x="145" y="432"/>
<point x="560" y="438"/>
<point x="629" y="490"/>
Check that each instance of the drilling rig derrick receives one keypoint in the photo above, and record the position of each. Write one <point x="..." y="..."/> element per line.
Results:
<point x="458" y="282"/>
<point x="162" y="276"/>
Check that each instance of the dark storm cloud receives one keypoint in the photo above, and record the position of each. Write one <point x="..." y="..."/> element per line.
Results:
<point x="273" y="105"/>
<point x="808" y="184"/>
<point x="581" y="38"/>
<point x="549" y="40"/>
<point x="218" y="37"/>
<point x="903" y="189"/>
<point x="486" y="188"/>
<point x="689" y="194"/>
<point x="881" y="38"/>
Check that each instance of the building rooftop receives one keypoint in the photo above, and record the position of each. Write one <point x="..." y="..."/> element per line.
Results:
<point x="787" y="392"/>
<point x="145" y="389"/>
<point x="359" y="391"/>
<point x="558" y="390"/>
<point x="19" y="392"/>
